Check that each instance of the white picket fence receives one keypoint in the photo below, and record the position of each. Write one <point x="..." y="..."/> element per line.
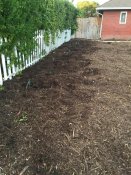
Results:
<point x="41" y="50"/>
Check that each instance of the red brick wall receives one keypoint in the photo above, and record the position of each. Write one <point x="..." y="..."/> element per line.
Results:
<point x="111" y="29"/>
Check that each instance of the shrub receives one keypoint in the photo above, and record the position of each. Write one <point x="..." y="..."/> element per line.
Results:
<point x="20" y="19"/>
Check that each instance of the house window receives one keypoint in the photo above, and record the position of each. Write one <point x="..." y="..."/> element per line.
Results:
<point x="123" y="17"/>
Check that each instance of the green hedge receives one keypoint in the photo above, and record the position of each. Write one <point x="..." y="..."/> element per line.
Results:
<point x="19" y="19"/>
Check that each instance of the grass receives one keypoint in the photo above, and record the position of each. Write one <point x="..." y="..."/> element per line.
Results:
<point x="2" y="88"/>
<point x="22" y="118"/>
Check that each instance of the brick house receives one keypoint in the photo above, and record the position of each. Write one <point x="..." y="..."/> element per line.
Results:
<point x="116" y="20"/>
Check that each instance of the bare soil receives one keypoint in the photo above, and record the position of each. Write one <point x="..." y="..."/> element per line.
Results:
<point x="70" y="114"/>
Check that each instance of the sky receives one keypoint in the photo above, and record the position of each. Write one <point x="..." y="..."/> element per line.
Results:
<point x="99" y="1"/>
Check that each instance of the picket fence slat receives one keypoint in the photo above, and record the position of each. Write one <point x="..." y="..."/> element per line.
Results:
<point x="3" y="60"/>
<point x="1" y="78"/>
<point x="13" y="70"/>
<point x="8" y="70"/>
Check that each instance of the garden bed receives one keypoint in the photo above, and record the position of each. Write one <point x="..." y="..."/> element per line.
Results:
<point x="70" y="113"/>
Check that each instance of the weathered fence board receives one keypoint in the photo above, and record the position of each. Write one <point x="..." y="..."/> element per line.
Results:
<point x="7" y="71"/>
<point x="88" y="28"/>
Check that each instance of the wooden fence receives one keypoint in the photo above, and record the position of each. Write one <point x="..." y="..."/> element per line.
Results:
<point x="88" y="28"/>
<point x="7" y="71"/>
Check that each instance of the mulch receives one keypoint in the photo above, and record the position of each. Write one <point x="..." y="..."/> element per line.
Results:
<point x="63" y="116"/>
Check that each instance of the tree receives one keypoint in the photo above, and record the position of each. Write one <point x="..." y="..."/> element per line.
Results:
<point x="87" y="8"/>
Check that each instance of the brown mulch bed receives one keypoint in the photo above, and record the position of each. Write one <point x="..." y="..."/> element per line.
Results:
<point x="70" y="114"/>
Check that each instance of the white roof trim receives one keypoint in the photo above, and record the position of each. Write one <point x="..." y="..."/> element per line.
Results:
<point x="113" y="8"/>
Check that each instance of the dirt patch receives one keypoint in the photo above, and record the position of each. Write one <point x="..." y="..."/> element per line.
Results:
<point x="69" y="114"/>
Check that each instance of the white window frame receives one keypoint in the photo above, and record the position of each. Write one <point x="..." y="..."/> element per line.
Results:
<point x="125" y="17"/>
